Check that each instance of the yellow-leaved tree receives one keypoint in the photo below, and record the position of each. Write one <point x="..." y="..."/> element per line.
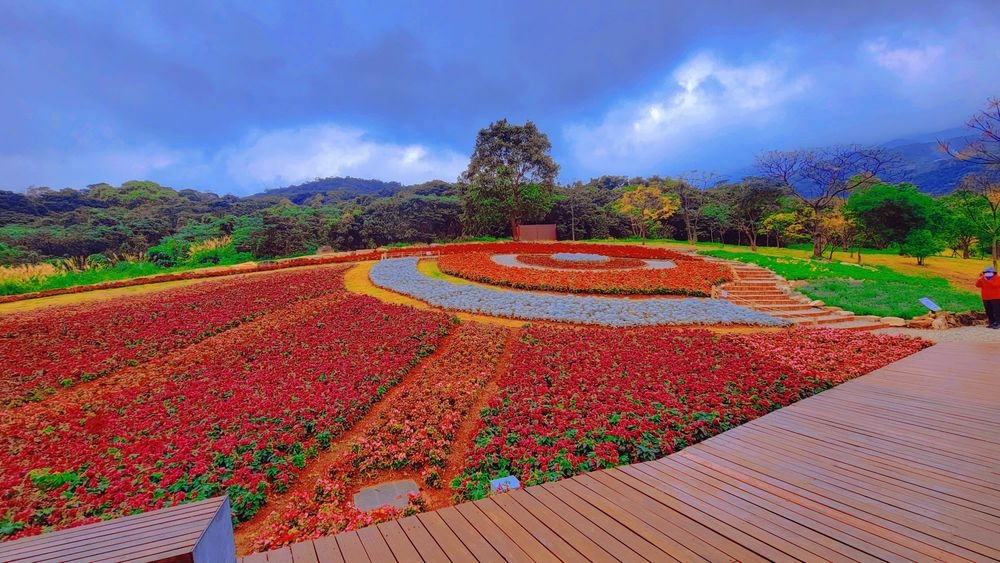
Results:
<point x="646" y="205"/>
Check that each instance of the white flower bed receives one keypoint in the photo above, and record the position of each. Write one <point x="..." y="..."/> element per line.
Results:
<point x="579" y="257"/>
<point x="401" y="275"/>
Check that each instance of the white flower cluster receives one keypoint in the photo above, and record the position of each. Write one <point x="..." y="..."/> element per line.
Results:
<point x="401" y="275"/>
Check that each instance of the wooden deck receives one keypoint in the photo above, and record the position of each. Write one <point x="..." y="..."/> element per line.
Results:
<point x="901" y="464"/>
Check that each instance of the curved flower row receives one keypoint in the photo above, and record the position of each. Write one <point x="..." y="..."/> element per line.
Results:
<point x="47" y="349"/>
<point x="417" y="434"/>
<point x="578" y="400"/>
<point x="688" y="277"/>
<point x="401" y="275"/>
<point x="239" y="413"/>
<point x="551" y="262"/>
<point x="578" y="257"/>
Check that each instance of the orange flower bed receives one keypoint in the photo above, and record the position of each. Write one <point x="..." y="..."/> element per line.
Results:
<point x="547" y="261"/>
<point x="690" y="277"/>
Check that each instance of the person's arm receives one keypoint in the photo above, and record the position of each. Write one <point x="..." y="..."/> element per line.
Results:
<point x="979" y="282"/>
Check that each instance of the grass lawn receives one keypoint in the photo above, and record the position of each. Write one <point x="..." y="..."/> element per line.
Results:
<point x="884" y="286"/>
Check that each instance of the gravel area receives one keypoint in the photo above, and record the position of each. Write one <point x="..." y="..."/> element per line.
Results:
<point x="960" y="334"/>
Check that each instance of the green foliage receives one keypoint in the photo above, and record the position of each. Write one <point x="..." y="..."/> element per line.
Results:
<point x="45" y="480"/>
<point x="510" y="178"/>
<point x="920" y="244"/>
<point x="889" y="213"/>
<point x="169" y="253"/>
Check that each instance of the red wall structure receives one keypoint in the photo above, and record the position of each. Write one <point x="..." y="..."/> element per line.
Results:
<point x="535" y="232"/>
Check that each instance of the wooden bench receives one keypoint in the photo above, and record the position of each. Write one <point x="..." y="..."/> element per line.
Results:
<point x="196" y="532"/>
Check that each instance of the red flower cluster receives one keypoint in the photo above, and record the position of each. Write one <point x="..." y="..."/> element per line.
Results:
<point x="576" y="400"/>
<point x="239" y="413"/>
<point x="417" y="433"/>
<point x="690" y="277"/>
<point x="547" y="261"/>
<point x="43" y="350"/>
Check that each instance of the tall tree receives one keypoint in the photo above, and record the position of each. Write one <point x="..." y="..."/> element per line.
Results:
<point x="646" y="205"/>
<point x="510" y="175"/>
<point x="690" y="193"/>
<point x="888" y="213"/>
<point x="986" y="210"/>
<point x="819" y="178"/>
<point x="751" y="201"/>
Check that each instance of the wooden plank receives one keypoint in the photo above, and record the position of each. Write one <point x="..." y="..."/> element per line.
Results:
<point x="503" y="544"/>
<point x="473" y="539"/>
<point x="327" y="550"/>
<point x="425" y="545"/>
<point x="351" y="547"/>
<point x="808" y="500"/>
<point x="255" y="558"/>
<point x="652" y="512"/>
<point x="556" y="545"/>
<point x="457" y="549"/>
<point x="763" y="544"/>
<point x="375" y="545"/>
<point x="304" y="552"/>
<point x="547" y="503"/>
<point x="540" y="551"/>
<point x="400" y="545"/>
<point x="654" y="536"/>
<point x="807" y="533"/>
<point x="280" y="555"/>
<point x="586" y="547"/>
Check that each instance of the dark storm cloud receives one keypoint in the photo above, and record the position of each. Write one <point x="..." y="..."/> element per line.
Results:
<point x="173" y="87"/>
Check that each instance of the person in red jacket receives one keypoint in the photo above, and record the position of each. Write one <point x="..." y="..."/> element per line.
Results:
<point x="989" y="284"/>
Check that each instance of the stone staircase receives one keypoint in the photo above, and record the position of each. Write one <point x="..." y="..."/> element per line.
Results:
<point x="762" y="290"/>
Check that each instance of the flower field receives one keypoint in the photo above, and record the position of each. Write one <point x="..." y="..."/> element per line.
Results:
<point x="573" y="262"/>
<point x="576" y="400"/>
<point x="47" y="349"/>
<point x="240" y="413"/>
<point x="415" y="435"/>
<point x="290" y="393"/>
<point x="689" y="277"/>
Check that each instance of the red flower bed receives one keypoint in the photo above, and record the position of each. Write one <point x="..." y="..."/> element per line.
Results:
<point x="690" y="277"/>
<point x="46" y="349"/>
<point x="239" y="413"/>
<point x="547" y="261"/>
<point x="577" y="400"/>
<point x="416" y="434"/>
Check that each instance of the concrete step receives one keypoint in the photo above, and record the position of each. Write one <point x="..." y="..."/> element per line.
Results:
<point x="800" y="313"/>
<point x="824" y="320"/>
<point x="853" y="324"/>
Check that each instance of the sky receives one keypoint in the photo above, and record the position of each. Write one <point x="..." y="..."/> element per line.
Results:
<point x="237" y="97"/>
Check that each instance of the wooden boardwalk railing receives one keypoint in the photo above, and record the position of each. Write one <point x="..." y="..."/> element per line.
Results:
<point x="901" y="464"/>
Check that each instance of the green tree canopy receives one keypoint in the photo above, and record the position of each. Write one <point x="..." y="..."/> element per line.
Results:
<point x="888" y="213"/>
<point x="510" y="177"/>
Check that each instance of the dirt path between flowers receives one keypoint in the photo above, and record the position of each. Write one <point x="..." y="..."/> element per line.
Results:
<point x="247" y="532"/>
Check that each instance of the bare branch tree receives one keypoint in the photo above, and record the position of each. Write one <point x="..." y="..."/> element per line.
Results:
<point x="985" y="149"/>
<point x="819" y="177"/>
